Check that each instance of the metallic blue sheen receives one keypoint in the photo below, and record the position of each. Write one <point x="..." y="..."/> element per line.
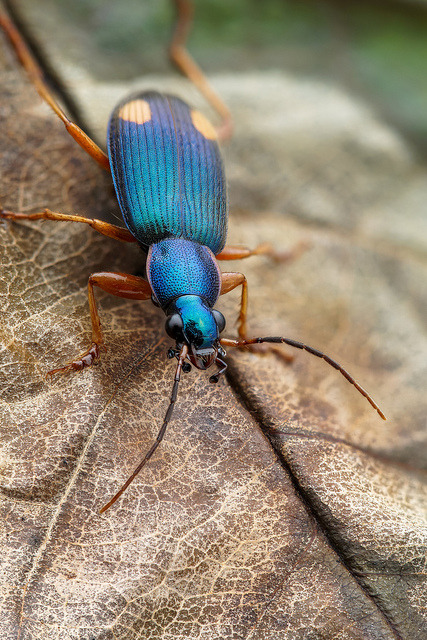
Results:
<point x="178" y="267"/>
<point x="168" y="176"/>
<point x="200" y="328"/>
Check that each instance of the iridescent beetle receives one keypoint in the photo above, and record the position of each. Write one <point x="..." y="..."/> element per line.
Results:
<point x="169" y="180"/>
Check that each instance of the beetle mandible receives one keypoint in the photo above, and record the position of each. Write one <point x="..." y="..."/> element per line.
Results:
<point x="169" y="180"/>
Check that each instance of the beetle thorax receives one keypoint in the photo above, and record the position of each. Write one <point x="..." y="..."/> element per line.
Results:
<point x="178" y="267"/>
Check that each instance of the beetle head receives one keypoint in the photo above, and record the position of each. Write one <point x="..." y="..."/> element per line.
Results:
<point x="192" y="322"/>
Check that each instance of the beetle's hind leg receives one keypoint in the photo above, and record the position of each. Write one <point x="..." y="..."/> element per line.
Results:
<point x="122" y="285"/>
<point x="185" y="63"/>
<point x="35" y="73"/>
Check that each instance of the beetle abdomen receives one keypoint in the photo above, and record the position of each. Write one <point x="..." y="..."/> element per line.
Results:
<point x="167" y="171"/>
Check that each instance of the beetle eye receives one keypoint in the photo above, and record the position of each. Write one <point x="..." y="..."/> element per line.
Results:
<point x="219" y="319"/>
<point x="174" y="326"/>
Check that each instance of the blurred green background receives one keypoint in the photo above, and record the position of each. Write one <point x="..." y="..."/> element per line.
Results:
<point x="377" y="49"/>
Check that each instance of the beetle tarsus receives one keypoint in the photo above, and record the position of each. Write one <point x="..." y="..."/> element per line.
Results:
<point x="86" y="360"/>
<point x="222" y="366"/>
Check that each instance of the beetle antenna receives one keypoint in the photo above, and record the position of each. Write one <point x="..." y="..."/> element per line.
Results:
<point x="314" y="352"/>
<point x="174" y="394"/>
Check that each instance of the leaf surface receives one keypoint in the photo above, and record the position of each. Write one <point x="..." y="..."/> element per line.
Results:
<point x="279" y="504"/>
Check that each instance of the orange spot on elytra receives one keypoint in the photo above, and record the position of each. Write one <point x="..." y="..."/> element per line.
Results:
<point x="203" y="126"/>
<point x="137" y="111"/>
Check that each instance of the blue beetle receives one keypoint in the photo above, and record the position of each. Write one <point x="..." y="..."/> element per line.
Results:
<point x="169" y="181"/>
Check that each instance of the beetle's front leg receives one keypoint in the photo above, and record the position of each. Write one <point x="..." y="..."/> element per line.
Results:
<point x="122" y="285"/>
<point x="230" y="281"/>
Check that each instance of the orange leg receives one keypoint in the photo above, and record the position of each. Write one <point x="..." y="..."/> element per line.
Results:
<point x="106" y="229"/>
<point x="35" y="74"/>
<point x="122" y="285"/>
<point x="265" y="249"/>
<point x="230" y="281"/>
<point x="185" y="63"/>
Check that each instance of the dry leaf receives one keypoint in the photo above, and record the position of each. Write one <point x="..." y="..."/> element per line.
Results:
<point x="279" y="504"/>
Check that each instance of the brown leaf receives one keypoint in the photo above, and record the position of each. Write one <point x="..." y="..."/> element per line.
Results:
<point x="279" y="505"/>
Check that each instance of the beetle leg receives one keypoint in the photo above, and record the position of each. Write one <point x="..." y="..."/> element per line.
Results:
<point x="36" y="76"/>
<point x="185" y="63"/>
<point x="122" y="285"/>
<point x="106" y="229"/>
<point x="230" y="281"/>
<point x="264" y="249"/>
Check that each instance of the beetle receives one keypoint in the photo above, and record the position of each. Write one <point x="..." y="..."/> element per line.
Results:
<point x="169" y="181"/>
